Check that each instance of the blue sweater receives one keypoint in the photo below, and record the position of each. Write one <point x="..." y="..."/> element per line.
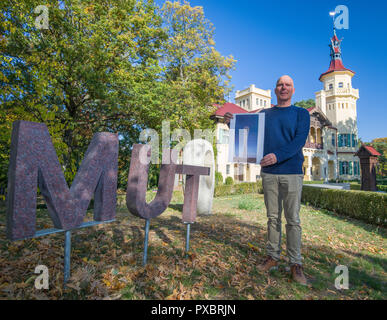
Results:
<point x="286" y="131"/>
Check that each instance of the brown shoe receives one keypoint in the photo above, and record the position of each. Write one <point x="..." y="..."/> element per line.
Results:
<point x="298" y="274"/>
<point x="268" y="264"/>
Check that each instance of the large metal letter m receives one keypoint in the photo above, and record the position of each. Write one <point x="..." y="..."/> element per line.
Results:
<point x="34" y="162"/>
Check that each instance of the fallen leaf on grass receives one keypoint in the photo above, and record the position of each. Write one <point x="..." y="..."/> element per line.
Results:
<point x="253" y="247"/>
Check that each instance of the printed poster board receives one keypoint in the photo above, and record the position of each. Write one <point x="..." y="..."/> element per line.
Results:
<point x="246" y="138"/>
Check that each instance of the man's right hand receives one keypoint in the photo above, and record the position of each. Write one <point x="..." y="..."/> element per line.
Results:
<point x="227" y="117"/>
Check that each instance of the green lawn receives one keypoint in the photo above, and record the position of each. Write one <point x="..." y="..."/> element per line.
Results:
<point x="225" y="249"/>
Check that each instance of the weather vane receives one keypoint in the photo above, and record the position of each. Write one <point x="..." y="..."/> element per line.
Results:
<point x="332" y="14"/>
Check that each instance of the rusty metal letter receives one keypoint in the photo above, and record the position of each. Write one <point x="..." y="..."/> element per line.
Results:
<point x="34" y="162"/>
<point x="191" y="191"/>
<point x="138" y="181"/>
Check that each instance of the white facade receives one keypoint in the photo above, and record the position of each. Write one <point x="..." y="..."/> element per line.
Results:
<point x="338" y="102"/>
<point x="253" y="98"/>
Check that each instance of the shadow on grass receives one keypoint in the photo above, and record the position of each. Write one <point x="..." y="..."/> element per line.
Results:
<point x="221" y="264"/>
<point x="380" y="230"/>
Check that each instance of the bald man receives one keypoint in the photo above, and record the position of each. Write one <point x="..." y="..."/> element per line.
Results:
<point x="286" y="131"/>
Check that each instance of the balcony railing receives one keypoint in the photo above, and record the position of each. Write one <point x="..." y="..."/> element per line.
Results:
<point x="342" y="91"/>
<point x="314" y="145"/>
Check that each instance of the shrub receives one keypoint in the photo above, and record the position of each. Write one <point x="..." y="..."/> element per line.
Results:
<point x="382" y="187"/>
<point x="240" y="188"/>
<point x="313" y="182"/>
<point x="229" y="181"/>
<point x="355" y="186"/>
<point x="363" y="205"/>
<point x="218" y="178"/>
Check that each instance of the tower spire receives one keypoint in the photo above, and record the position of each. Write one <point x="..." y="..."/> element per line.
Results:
<point x="336" y="63"/>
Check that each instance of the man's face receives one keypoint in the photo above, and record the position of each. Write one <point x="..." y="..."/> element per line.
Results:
<point x="284" y="88"/>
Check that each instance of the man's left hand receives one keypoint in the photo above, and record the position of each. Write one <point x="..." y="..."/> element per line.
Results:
<point x="268" y="160"/>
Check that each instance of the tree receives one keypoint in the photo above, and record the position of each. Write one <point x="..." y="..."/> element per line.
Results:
<point x="306" y="103"/>
<point x="197" y="75"/>
<point x="380" y="145"/>
<point x="86" y="73"/>
<point x="106" y="65"/>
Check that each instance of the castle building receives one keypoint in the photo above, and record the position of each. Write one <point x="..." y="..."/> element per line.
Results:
<point x="337" y="102"/>
<point x="330" y="149"/>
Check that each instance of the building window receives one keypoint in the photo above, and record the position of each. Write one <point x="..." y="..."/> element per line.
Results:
<point x="330" y="86"/>
<point x="223" y="136"/>
<point x="354" y="140"/>
<point x="228" y="169"/>
<point x="356" y="170"/>
<point x="257" y="102"/>
<point x="341" y="85"/>
<point x="264" y="103"/>
<point x="347" y="140"/>
<point x="344" y="167"/>
<point x="333" y="139"/>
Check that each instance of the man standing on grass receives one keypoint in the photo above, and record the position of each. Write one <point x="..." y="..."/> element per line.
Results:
<point x="286" y="131"/>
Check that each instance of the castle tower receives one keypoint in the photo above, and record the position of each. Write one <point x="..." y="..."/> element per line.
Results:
<point x="337" y="101"/>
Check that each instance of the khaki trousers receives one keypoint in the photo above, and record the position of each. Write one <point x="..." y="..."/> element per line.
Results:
<point x="283" y="191"/>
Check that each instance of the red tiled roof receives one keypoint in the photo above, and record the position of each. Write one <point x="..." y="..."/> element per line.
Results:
<point x="372" y="151"/>
<point x="229" y="107"/>
<point x="336" y="65"/>
<point x="256" y="111"/>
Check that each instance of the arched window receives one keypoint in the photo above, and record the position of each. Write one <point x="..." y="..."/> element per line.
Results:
<point x="318" y="134"/>
<point x="312" y="135"/>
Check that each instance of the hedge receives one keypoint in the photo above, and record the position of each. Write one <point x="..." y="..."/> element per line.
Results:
<point x="313" y="182"/>
<point x="382" y="187"/>
<point x="357" y="186"/>
<point x="370" y="207"/>
<point x="229" y="181"/>
<point x="239" y="188"/>
<point x="218" y="178"/>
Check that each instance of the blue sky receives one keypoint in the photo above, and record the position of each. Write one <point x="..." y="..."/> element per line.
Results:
<point x="271" y="38"/>
<point x="252" y="123"/>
